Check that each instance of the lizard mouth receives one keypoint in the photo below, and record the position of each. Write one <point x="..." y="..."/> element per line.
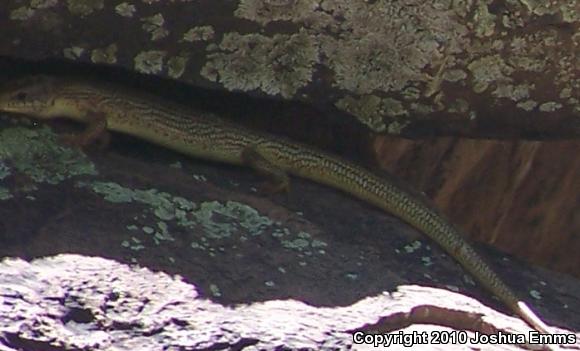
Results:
<point x="18" y="107"/>
<point x="9" y="105"/>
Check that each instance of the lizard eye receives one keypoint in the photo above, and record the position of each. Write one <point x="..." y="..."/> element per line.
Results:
<point x="21" y="96"/>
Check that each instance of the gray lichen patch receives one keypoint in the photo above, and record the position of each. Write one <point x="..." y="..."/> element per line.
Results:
<point x="22" y="13"/>
<point x="111" y="191"/>
<point x="454" y="75"/>
<point x="374" y="58"/>
<point x="134" y="244"/>
<point x="541" y="51"/>
<point x="367" y="109"/>
<point x="125" y="9"/>
<point x="568" y="9"/>
<point x="161" y="208"/>
<point x="513" y="92"/>
<point x="484" y="21"/>
<point x="105" y="55"/>
<point x="397" y="127"/>
<point x="215" y="290"/>
<point x="527" y="53"/>
<point x="268" y="11"/>
<point x="176" y="65"/>
<point x="223" y="220"/>
<point x="352" y="48"/>
<point x="26" y="12"/>
<point x="217" y="221"/>
<point x="374" y="46"/>
<point x="281" y="64"/>
<point x="150" y="62"/>
<point x="73" y="52"/>
<point x="393" y="107"/>
<point x="303" y="243"/>
<point x="489" y="70"/>
<point x="201" y="33"/>
<point x="154" y="25"/>
<point x="385" y="45"/>
<point x="412" y="247"/>
<point x="378" y="47"/>
<point x="550" y="106"/>
<point x="527" y="105"/>
<point x="84" y="7"/>
<point x="43" y="4"/>
<point x="565" y="93"/>
<point x="370" y="109"/>
<point x="36" y="153"/>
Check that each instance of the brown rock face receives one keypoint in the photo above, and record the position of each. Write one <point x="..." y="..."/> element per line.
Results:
<point x="521" y="196"/>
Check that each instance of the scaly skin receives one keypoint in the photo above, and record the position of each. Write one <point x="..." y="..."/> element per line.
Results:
<point x="207" y="137"/>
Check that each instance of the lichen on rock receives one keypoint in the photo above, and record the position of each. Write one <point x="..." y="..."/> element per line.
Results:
<point x="21" y="14"/>
<point x="176" y="65"/>
<point x="150" y="61"/>
<point x="199" y="33"/>
<point x="35" y="153"/>
<point x="367" y="109"/>
<point x="386" y="45"/>
<point x="84" y="7"/>
<point x="155" y="26"/>
<point x="280" y="64"/>
<point x="43" y="4"/>
<point x="73" y="52"/>
<point x="569" y="10"/>
<point x="125" y="9"/>
<point x="369" y="47"/>
<point x="489" y="70"/>
<point x="268" y="11"/>
<point x="208" y="222"/>
<point x="105" y="55"/>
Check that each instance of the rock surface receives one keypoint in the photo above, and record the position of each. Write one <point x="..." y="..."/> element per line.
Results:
<point x="237" y="250"/>
<point x="476" y="68"/>
<point x="78" y="302"/>
<point x="501" y="69"/>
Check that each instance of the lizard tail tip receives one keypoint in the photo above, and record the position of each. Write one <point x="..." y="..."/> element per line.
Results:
<point x="531" y="318"/>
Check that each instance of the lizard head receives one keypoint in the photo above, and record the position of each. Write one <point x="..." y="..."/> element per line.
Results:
<point x="32" y="95"/>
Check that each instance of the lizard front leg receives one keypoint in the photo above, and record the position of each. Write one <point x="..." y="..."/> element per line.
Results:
<point x="278" y="180"/>
<point x="95" y="132"/>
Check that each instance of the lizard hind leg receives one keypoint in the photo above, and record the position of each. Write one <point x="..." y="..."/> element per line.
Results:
<point x="278" y="181"/>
